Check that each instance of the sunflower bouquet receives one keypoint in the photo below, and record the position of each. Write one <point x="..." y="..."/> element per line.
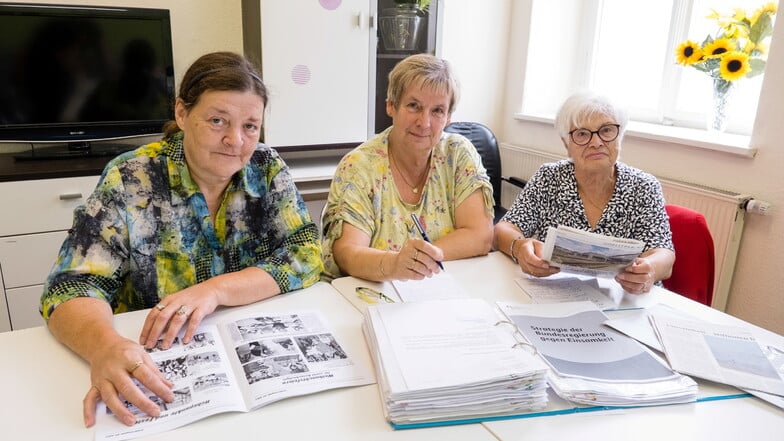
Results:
<point x="737" y="50"/>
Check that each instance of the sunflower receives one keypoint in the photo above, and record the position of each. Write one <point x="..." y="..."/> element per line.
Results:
<point x="717" y="47"/>
<point x="688" y="52"/>
<point x="734" y="65"/>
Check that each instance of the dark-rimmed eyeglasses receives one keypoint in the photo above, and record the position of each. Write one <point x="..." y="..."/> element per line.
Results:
<point x="606" y="133"/>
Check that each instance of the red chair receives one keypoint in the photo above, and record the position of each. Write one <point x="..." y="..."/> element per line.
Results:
<point x="693" y="271"/>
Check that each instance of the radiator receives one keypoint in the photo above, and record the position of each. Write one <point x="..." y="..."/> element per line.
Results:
<point x="723" y="210"/>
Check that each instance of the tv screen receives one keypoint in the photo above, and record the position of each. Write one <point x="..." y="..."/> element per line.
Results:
<point x="80" y="73"/>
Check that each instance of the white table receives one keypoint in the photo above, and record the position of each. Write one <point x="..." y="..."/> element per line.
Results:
<point x="43" y="384"/>
<point x="492" y="278"/>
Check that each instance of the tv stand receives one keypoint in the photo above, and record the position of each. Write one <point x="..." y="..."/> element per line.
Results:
<point x="75" y="150"/>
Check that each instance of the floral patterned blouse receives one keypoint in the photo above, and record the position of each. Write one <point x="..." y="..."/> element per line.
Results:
<point x="363" y="193"/>
<point x="146" y="232"/>
<point x="635" y="210"/>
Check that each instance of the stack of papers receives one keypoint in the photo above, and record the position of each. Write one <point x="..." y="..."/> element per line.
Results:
<point x="451" y="360"/>
<point x="594" y="364"/>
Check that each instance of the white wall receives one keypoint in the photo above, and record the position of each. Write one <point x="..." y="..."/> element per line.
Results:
<point x="474" y="38"/>
<point x="756" y="294"/>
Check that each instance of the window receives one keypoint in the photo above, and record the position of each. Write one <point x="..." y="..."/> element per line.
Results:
<point x="626" y="49"/>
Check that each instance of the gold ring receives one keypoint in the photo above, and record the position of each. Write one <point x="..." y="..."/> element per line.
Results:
<point x="416" y="255"/>
<point x="135" y="366"/>
<point x="160" y="306"/>
<point x="182" y="310"/>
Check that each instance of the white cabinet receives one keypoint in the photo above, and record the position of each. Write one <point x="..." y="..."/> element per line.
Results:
<point x="315" y="62"/>
<point x="326" y="67"/>
<point x="38" y="214"/>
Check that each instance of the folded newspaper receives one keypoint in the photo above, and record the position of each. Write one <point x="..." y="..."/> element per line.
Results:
<point x="583" y="252"/>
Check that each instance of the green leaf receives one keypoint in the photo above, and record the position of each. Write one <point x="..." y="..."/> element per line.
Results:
<point x="757" y="67"/>
<point x="761" y="29"/>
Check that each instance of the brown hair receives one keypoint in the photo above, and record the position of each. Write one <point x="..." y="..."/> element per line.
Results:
<point x="217" y="71"/>
<point x="427" y="71"/>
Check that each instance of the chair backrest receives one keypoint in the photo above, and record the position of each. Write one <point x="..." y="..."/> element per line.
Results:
<point x="693" y="271"/>
<point x="486" y="145"/>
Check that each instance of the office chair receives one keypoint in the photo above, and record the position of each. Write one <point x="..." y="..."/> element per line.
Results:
<point x="693" y="271"/>
<point x="486" y="145"/>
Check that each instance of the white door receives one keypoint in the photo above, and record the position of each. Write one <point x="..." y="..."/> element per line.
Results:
<point x="315" y="62"/>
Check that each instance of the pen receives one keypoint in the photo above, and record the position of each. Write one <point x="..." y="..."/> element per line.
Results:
<point x="424" y="235"/>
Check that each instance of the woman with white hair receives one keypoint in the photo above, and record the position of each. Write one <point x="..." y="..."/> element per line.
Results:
<point x="592" y="191"/>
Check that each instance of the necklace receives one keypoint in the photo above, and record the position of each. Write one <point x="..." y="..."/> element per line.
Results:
<point x="585" y="197"/>
<point x="414" y="188"/>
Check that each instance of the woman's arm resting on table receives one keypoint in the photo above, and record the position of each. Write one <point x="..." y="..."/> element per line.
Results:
<point x="526" y="251"/>
<point x="473" y="234"/>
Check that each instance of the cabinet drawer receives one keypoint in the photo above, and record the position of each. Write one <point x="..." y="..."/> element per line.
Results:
<point x="27" y="259"/>
<point x="42" y="205"/>
<point x="23" y="306"/>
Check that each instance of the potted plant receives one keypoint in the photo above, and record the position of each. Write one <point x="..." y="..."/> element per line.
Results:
<point x="401" y="25"/>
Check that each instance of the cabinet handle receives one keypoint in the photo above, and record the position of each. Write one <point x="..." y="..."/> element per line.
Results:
<point x="360" y="20"/>
<point x="372" y="21"/>
<point x="69" y="196"/>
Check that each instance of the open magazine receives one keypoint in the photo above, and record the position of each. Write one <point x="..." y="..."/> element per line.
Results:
<point x="583" y="252"/>
<point x="241" y="365"/>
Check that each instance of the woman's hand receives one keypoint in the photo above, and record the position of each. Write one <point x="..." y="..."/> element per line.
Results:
<point x="416" y="260"/>
<point x="113" y="370"/>
<point x="528" y="252"/>
<point x="639" y="277"/>
<point x="186" y="308"/>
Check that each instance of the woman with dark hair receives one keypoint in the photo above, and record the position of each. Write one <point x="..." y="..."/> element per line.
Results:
<point x="206" y="217"/>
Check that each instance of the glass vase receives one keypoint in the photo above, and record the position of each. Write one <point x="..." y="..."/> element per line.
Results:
<point x="717" y="116"/>
<point x="401" y="27"/>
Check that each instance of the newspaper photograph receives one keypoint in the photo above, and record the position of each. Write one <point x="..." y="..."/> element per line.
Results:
<point x="582" y="252"/>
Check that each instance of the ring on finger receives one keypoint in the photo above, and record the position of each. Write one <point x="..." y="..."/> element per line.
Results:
<point x="182" y="310"/>
<point x="134" y="366"/>
<point x="416" y="255"/>
<point x="160" y="306"/>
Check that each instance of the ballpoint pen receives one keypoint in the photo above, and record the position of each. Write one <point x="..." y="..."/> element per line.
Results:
<point x="424" y="235"/>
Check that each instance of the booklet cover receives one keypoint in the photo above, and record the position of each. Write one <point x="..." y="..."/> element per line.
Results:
<point x="583" y="252"/>
<point x="240" y="365"/>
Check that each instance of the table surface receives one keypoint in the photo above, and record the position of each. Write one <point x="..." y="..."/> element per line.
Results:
<point x="44" y="384"/>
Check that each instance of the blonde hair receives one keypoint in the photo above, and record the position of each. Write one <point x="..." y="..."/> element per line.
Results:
<point x="427" y="71"/>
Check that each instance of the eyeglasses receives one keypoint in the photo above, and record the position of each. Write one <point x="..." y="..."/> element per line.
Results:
<point x="606" y="133"/>
<point x="372" y="296"/>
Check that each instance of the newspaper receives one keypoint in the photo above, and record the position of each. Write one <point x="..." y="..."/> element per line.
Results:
<point x="720" y="353"/>
<point x="239" y="365"/>
<point x="582" y="252"/>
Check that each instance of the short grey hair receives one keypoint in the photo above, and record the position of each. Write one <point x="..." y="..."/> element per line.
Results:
<point x="582" y="106"/>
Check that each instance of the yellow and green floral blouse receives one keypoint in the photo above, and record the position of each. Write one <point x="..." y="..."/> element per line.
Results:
<point x="363" y="193"/>
<point x="146" y="232"/>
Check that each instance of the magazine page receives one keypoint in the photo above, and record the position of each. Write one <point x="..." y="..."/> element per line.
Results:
<point x="725" y="354"/>
<point x="572" y="339"/>
<point x="566" y="289"/>
<point x="204" y="385"/>
<point x="281" y="355"/>
<point x="583" y="252"/>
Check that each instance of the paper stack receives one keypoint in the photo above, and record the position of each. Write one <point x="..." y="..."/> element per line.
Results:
<point x="594" y="364"/>
<point x="450" y="361"/>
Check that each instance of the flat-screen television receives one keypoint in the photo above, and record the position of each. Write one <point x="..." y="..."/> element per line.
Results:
<point x="76" y="74"/>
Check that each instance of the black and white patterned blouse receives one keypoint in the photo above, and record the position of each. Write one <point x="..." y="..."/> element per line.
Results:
<point x="635" y="211"/>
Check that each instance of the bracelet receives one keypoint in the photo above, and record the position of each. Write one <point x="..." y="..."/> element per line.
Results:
<point x="381" y="264"/>
<point x="512" y="249"/>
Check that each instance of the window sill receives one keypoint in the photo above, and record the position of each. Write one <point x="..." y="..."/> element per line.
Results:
<point x="722" y="142"/>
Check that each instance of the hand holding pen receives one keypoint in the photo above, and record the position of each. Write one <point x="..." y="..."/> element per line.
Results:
<point x="424" y="235"/>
